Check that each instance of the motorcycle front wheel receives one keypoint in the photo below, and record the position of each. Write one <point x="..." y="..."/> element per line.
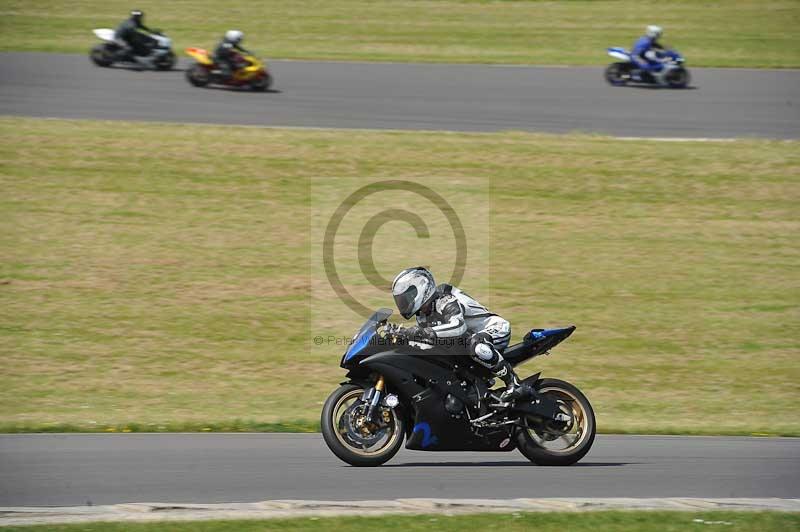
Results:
<point x="101" y="56"/>
<point x="677" y="78"/>
<point x="261" y="84"/>
<point x="350" y="438"/>
<point x="166" y="61"/>
<point x="551" y="444"/>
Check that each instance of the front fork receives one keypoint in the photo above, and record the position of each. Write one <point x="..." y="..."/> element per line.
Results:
<point x="372" y="397"/>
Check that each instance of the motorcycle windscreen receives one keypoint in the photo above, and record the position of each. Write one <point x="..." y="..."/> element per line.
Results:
<point x="366" y="333"/>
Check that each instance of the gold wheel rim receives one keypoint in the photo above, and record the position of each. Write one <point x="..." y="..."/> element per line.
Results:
<point x="382" y="444"/>
<point x="576" y="434"/>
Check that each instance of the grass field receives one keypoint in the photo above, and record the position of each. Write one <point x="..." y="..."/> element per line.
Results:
<point x="541" y="522"/>
<point x="732" y="33"/>
<point x="150" y="282"/>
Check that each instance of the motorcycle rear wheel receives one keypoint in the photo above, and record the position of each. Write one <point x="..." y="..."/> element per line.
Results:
<point x="337" y="414"/>
<point x="101" y="56"/>
<point x="198" y="75"/>
<point x="540" y="443"/>
<point x="617" y="74"/>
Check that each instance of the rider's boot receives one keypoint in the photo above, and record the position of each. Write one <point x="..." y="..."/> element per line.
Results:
<point x="514" y="388"/>
<point x="225" y="72"/>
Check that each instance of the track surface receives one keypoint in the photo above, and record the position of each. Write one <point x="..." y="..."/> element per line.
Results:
<point x="45" y="469"/>
<point x="107" y="469"/>
<point x="725" y="103"/>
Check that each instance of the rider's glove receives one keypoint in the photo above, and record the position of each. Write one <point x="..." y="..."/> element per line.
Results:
<point x="415" y="333"/>
<point x="395" y="332"/>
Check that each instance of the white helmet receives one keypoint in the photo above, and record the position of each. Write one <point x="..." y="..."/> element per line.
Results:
<point x="234" y="36"/>
<point x="412" y="288"/>
<point x="654" y="32"/>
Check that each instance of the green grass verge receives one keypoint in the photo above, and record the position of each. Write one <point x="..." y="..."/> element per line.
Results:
<point x="151" y="282"/>
<point x="541" y="522"/>
<point x="236" y="425"/>
<point x="734" y="33"/>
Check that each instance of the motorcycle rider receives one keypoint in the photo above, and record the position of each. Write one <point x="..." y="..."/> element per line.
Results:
<point x="444" y="311"/>
<point x="227" y="52"/>
<point x="133" y="34"/>
<point x="645" y="50"/>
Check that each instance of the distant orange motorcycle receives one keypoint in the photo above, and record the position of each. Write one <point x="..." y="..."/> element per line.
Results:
<point x="252" y="72"/>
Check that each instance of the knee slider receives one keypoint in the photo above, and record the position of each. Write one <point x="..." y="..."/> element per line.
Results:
<point x="482" y="350"/>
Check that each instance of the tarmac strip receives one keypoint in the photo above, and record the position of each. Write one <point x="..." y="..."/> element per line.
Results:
<point x="27" y="515"/>
<point x="431" y="97"/>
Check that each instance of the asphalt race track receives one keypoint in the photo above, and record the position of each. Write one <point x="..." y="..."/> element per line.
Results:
<point x="46" y="469"/>
<point x="79" y="469"/>
<point x="722" y="103"/>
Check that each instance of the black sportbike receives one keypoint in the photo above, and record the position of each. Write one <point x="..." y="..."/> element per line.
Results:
<point x="437" y="399"/>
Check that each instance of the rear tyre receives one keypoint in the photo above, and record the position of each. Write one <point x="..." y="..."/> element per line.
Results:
<point x="677" y="78"/>
<point x="198" y="75"/>
<point x="618" y="74"/>
<point x="550" y="445"/>
<point x="166" y="61"/>
<point x="101" y="56"/>
<point x="351" y="442"/>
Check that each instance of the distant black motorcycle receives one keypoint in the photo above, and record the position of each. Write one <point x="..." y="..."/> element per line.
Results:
<point x="437" y="399"/>
<point x="160" y="55"/>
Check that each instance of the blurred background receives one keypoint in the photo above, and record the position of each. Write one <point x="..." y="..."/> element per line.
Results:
<point x="158" y="276"/>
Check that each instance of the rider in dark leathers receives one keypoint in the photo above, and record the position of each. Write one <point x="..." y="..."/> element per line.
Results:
<point x="445" y="312"/>
<point x="133" y="33"/>
<point x="227" y="52"/>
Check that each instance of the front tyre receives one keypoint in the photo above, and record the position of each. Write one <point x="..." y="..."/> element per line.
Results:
<point x="262" y="83"/>
<point x="165" y="61"/>
<point x="352" y="440"/>
<point x="677" y="78"/>
<point x="101" y="55"/>
<point x="551" y="444"/>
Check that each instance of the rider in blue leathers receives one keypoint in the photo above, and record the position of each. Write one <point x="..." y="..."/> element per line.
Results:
<point x="645" y="50"/>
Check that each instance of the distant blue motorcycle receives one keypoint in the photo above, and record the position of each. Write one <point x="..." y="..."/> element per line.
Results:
<point x="672" y="73"/>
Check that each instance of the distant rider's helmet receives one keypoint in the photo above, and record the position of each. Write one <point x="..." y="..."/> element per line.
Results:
<point x="412" y="289"/>
<point x="137" y="16"/>
<point x="234" y="36"/>
<point x="654" y="32"/>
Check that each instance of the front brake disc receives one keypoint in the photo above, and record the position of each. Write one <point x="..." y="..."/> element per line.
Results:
<point x="354" y="432"/>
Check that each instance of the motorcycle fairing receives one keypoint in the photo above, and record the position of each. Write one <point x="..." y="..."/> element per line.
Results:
<point x="435" y="429"/>
<point x="104" y="34"/>
<point x="410" y="373"/>
<point x="367" y="336"/>
<point x="619" y="53"/>
<point x="200" y="55"/>
<point x="424" y="381"/>
<point x="535" y="343"/>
